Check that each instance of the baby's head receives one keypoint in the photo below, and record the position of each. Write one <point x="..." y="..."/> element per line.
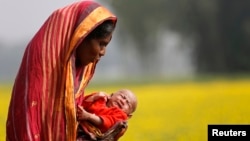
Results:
<point x="123" y="99"/>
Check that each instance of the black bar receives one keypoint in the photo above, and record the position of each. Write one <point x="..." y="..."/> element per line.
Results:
<point x="217" y="132"/>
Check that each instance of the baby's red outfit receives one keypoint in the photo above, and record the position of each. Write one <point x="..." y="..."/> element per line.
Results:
<point x="109" y="115"/>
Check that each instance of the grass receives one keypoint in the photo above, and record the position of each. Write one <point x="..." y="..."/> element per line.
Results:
<point x="5" y="91"/>
<point x="174" y="111"/>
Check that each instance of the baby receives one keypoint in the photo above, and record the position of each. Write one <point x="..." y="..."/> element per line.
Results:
<point x="104" y="110"/>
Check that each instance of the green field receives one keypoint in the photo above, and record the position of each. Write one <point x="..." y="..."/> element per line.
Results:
<point x="174" y="111"/>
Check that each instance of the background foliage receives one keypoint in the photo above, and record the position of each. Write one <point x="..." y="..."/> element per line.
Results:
<point x="174" y="111"/>
<point x="219" y="29"/>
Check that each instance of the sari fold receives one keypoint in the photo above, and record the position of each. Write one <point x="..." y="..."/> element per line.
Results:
<point x="44" y="97"/>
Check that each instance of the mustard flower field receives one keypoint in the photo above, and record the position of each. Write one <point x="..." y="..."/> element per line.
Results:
<point x="174" y="111"/>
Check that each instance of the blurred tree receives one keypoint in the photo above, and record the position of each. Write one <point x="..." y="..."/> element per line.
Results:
<point x="233" y="21"/>
<point x="221" y="29"/>
<point x="142" y="20"/>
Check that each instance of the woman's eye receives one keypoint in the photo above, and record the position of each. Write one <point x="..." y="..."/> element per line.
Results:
<point x="103" y="44"/>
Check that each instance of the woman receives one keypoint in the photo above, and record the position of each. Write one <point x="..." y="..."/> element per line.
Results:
<point x="57" y="65"/>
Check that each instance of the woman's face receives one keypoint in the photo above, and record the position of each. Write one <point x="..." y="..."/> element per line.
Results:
<point x="92" y="50"/>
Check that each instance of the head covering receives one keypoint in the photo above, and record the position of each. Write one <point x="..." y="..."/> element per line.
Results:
<point x="42" y="106"/>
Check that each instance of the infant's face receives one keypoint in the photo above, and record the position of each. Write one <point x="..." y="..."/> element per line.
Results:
<point x="124" y="100"/>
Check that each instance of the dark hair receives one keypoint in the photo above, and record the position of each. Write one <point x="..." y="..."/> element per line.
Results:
<point x="102" y="31"/>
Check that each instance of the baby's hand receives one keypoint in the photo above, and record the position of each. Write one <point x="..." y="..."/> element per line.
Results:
<point x="97" y="96"/>
<point x="100" y="95"/>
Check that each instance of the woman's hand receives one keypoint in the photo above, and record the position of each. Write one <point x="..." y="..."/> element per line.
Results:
<point x="81" y="113"/>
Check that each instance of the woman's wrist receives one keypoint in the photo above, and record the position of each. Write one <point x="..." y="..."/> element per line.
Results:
<point x="94" y="119"/>
<point x="90" y="116"/>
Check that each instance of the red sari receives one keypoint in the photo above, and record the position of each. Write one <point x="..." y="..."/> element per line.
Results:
<point x="42" y="106"/>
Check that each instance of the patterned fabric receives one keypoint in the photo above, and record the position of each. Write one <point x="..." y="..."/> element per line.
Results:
<point x="89" y="132"/>
<point x="42" y="106"/>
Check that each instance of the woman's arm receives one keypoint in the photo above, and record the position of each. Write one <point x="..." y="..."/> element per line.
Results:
<point x="84" y="115"/>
